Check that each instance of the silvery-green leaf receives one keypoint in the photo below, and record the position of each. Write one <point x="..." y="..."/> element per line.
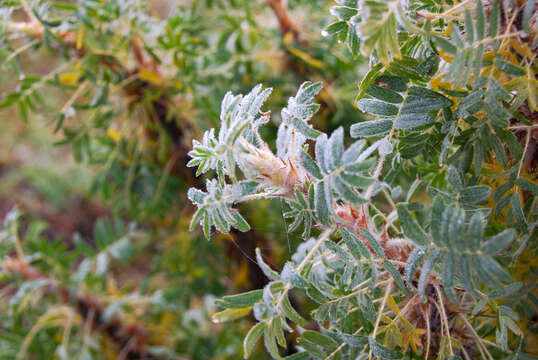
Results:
<point x="377" y="107"/>
<point x="321" y="202"/>
<point x="425" y="273"/>
<point x="266" y="269"/>
<point x="241" y="300"/>
<point x="411" y="121"/>
<point x="384" y="94"/>
<point x="320" y="339"/>
<point x="310" y="165"/>
<point x="371" y="128"/>
<point x="527" y="185"/>
<point x="252" y="338"/>
<point x="270" y="341"/>
<point x="311" y="348"/>
<point x="499" y="242"/>
<point x="517" y="211"/>
<point x="352" y="153"/>
<point x="355" y="245"/>
<point x="413" y="263"/>
<point x="373" y="242"/>
<point x="395" y="274"/>
<point x="291" y="313"/>
<point x="474" y="194"/>
<point x="384" y="147"/>
<point x="382" y="352"/>
<point x="411" y="228"/>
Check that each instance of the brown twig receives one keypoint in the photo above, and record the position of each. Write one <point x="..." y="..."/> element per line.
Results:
<point x="285" y="22"/>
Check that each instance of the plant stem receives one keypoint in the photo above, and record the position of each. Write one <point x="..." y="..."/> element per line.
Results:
<point x="444" y="317"/>
<point x="324" y="236"/>
<point x="378" y="319"/>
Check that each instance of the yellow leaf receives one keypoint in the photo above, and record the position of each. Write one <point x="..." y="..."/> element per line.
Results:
<point x="393" y="306"/>
<point x="229" y="314"/>
<point x="445" y="56"/>
<point x="306" y="57"/>
<point x="521" y="48"/>
<point x="149" y="76"/>
<point x="113" y="134"/>
<point x="288" y="38"/>
<point x="69" y="78"/>
<point x="80" y="38"/>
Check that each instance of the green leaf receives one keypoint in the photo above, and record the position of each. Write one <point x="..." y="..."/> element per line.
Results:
<point x="413" y="263"/>
<point x="304" y="129"/>
<point x="445" y="45"/>
<point x="474" y="194"/>
<point x="335" y="248"/>
<point x="266" y="269"/>
<point x="321" y="202"/>
<point x="437" y="218"/>
<point x="311" y="348"/>
<point x="425" y="273"/>
<point x="494" y="19"/>
<point x="384" y="94"/>
<point x="469" y="28"/>
<point x="352" y="153"/>
<point x="448" y="275"/>
<point x="355" y="245"/>
<point x="382" y="352"/>
<point x="252" y="338"/>
<point x="480" y="21"/>
<point x="291" y="313"/>
<point x="270" y="341"/>
<point x="371" y="128"/>
<point x="499" y="242"/>
<point x="354" y="340"/>
<point x="336" y="28"/>
<point x="377" y="107"/>
<point x="498" y="149"/>
<point x="411" y="228"/>
<point x="517" y="211"/>
<point x="241" y="300"/>
<point x="230" y="314"/>
<point x="310" y="165"/>
<point x="395" y="274"/>
<point x="492" y="267"/>
<point x="10" y="99"/>
<point x="455" y="178"/>
<point x="343" y="13"/>
<point x="373" y="242"/>
<point x="527" y="14"/>
<point x="526" y="185"/>
<point x="320" y="339"/>
<point x="421" y="100"/>
<point x="239" y="222"/>
<point x="368" y="80"/>
<point x="509" y="68"/>
<point x="303" y="355"/>
<point x="411" y="121"/>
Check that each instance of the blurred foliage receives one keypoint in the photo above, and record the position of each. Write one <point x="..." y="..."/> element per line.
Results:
<point x="100" y="103"/>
